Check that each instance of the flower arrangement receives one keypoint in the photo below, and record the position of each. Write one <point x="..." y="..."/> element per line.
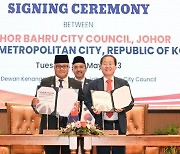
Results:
<point x="81" y="128"/>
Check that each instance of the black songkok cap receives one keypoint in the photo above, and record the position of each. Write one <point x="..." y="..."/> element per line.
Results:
<point x="61" y="59"/>
<point x="78" y="59"/>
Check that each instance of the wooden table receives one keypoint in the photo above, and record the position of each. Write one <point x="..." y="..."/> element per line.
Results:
<point x="89" y="141"/>
<point x="40" y="140"/>
<point x="119" y="140"/>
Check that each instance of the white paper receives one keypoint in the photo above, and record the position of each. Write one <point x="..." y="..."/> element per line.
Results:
<point x="102" y="100"/>
<point x="66" y="100"/>
<point x="122" y="97"/>
<point x="47" y="98"/>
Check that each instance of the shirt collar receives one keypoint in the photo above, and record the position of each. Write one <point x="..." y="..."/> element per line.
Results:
<point x="65" y="79"/>
<point x="105" y="79"/>
<point x="82" y="80"/>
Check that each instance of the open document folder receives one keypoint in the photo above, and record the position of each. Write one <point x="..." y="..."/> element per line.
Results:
<point x="53" y="100"/>
<point x="47" y="99"/>
<point x="108" y="101"/>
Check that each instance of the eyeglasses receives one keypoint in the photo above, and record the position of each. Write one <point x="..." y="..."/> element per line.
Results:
<point x="64" y="67"/>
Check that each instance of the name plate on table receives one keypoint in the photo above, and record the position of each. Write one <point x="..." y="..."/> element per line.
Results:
<point x="51" y="132"/>
<point x="110" y="132"/>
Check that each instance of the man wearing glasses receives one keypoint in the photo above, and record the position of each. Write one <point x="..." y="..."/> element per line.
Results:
<point x="60" y="79"/>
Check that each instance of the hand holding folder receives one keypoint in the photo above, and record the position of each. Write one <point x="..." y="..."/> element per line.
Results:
<point x="53" y="100"/>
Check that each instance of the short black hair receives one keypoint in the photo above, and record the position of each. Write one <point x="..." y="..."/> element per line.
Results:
<point x="115" y="61"/>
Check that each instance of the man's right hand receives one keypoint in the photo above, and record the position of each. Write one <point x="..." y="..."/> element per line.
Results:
<point x="35" y="101"/>
<point x="95" y="111"/>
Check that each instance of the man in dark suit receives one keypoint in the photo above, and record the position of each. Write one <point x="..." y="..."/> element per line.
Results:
<point x="79" y="69"/>
<point x="60" y="79"/>
<point x="109" y="120"/>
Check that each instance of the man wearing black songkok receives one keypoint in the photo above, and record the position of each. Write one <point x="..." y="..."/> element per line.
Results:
<point x="79" y="69"/>
<point x="61" y="69"/>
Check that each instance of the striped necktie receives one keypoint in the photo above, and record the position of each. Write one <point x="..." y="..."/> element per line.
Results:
<point x="60" y="85"/>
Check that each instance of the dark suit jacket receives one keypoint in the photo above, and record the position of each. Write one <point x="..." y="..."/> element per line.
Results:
<point x="98" y="84"/>
<point x="85" y="86"/>
<point x="52" y="120"/>
<point x="86" y="82"/>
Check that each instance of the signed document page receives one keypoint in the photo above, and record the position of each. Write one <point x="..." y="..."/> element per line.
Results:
<point x="66" y="100"/>
<point x="47" y="99"/>
<point x="117" y="99"/>
<point x="121" y="97"/>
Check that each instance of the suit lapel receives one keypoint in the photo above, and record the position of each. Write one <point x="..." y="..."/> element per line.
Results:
<point x="86" y="82"/>
<point x="54" y="81"/>
<point x="50" y="82"/>
<point x="116" y="83"/>
<point x="70" y="83"/>
<point x="100" y="84"/>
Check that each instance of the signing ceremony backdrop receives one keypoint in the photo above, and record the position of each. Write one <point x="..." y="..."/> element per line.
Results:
<point x="143" y="35"/>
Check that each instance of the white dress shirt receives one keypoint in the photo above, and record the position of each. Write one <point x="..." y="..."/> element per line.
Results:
<point x="64" y="83"/>
<point x="115" y="114"/>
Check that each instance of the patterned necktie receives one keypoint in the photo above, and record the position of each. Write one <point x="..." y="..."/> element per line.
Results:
<point x="60" y="85"/>
<point x="109" y="88"/>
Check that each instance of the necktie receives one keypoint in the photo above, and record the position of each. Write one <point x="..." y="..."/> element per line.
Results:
<point x="60" y="85"/>
<point x="109" y="85"/>
<point x="109" y="88"/>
